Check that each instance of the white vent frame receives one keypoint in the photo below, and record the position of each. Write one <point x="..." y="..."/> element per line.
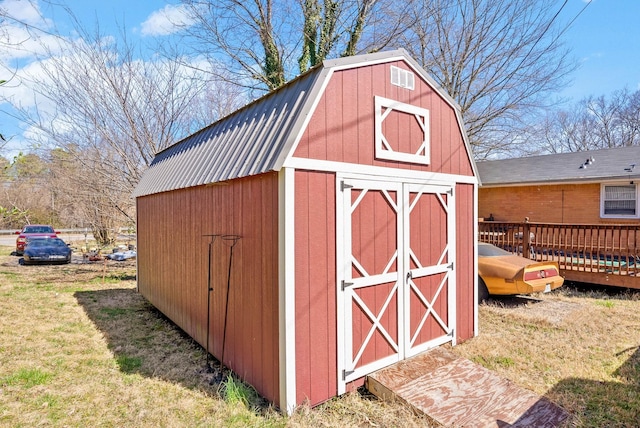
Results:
<point x="383" y="149"/>
<point x="403" y="78"/>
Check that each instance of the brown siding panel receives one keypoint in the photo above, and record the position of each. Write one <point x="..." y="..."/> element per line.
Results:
<point x="172" y="259"/>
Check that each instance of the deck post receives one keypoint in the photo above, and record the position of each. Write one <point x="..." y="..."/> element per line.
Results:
<point x="526" y="238"/>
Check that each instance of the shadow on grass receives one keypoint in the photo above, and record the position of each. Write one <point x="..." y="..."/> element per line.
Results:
<point x="143" y="340"/>
<point x="513" y="301"/>
<point x="587" y="289"/>
<point x="598" y="403"/>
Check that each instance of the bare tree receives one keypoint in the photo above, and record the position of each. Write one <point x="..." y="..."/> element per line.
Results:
<point x="259" y="39"/>
<point x="23" y="196"/>
<point x="629" y="115"/>
<point x="593" y="123"/>
<point x="111" y="112"/>
<point x="499" y="59"/>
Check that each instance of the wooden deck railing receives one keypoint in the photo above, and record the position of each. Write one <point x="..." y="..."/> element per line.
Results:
<point x="607" y="254"/>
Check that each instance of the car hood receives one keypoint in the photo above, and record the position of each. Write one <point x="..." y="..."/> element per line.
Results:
<point x="43" y="250"/>
<point x="505" y="266"/>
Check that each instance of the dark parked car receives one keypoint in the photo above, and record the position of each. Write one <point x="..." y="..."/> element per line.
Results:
<point x="46" y="250"/>
<point x="33" y="231"/>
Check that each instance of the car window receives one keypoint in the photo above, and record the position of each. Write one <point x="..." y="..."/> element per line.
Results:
<point x="37" y="242"/>
<point x="38" y="229"/>
<point x="488" y="250"/>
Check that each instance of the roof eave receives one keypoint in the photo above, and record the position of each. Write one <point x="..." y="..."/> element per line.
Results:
<point x="577" y="180"/>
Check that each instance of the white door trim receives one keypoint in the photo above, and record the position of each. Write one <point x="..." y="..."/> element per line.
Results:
<point x="445" y="265"/>
<point x="347" y="370"/>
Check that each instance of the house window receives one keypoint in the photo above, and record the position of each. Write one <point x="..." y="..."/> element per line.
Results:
<point x="401" y="131"/>
<point x="619" y="201"/>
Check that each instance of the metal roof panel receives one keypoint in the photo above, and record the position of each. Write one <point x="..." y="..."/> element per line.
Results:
<point x="242" y="144"/>
<point x="260" y="136"/>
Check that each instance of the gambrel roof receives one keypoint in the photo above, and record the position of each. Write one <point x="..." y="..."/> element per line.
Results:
<point x="621" y="163"/>
<point x="260" y="136"/>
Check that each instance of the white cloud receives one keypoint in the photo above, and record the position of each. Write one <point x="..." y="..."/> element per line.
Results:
<point x="23" y="31"/>
<point x="166" y="21"/>
<point x="24" y="11"/>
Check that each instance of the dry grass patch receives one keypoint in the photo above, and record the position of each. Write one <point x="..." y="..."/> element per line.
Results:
<point x="579" y="349"/>
<point x="79" y="347"/>
<point x="80" y="350"/>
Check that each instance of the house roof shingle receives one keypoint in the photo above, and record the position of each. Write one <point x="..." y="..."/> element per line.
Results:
<point x="608" y="164"/>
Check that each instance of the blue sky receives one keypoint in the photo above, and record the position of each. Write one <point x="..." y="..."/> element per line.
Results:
<point x="604" y="39"/>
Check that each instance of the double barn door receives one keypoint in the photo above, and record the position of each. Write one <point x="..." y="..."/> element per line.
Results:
<point x="396" y="287"/>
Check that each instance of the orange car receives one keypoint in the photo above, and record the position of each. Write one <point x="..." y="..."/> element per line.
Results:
<point x="503" y="273"/>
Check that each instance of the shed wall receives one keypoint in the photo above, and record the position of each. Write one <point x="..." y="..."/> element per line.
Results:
<point x="342" y="126"/>
<point x="172" y="275"/>
<point x="316" y="352"/>
<point x="465" y="251"/>
<point x="341" y="129"/>
<point x="316" y="342"/>
<point x="569" y="203"/>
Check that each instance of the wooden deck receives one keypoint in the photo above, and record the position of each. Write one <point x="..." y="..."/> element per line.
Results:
<point x="606" y="254"/>
<point x="456" y="392"/>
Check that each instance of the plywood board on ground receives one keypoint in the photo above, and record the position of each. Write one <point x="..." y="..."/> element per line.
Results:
<point x="454" y="391"/>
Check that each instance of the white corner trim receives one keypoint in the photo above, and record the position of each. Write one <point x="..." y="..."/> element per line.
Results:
<point x="340" y="275"/>
<point x="286" y="290"/>
<point x="475" y="261"/>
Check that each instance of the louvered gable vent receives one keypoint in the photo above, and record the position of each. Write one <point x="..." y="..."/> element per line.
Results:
<point x="402" y="78"/>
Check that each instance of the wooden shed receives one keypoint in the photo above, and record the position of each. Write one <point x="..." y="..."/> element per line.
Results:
<point x="353" y="192"/>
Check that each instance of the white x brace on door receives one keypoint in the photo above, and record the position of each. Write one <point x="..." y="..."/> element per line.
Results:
<point x="396" y="288"/>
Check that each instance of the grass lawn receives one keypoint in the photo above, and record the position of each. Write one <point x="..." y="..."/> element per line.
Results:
<point x="79" y="347"/>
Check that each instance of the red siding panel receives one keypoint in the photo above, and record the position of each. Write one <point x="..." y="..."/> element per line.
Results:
<point x="342" y="126"/>
<point x="465" y="261"/>
<point x="316" y="352"/>
<point x="345" y="146"/>
<point x="172" y="260"/>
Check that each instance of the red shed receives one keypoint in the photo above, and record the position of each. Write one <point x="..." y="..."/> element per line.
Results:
<point x="354" y="192"/>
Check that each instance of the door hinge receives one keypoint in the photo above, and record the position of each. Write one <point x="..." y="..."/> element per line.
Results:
<point x="346" y="284"/>
<point x="450" y="266"/>
<point x="450" y="191"/>
<point x="344" y="186"/>
<point x="346" y="373"/>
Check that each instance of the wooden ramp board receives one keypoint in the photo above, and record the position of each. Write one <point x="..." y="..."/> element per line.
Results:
<point x="456" y="392"/>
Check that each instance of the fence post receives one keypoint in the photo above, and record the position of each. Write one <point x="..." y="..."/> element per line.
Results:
<point x="526" y="238"/>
